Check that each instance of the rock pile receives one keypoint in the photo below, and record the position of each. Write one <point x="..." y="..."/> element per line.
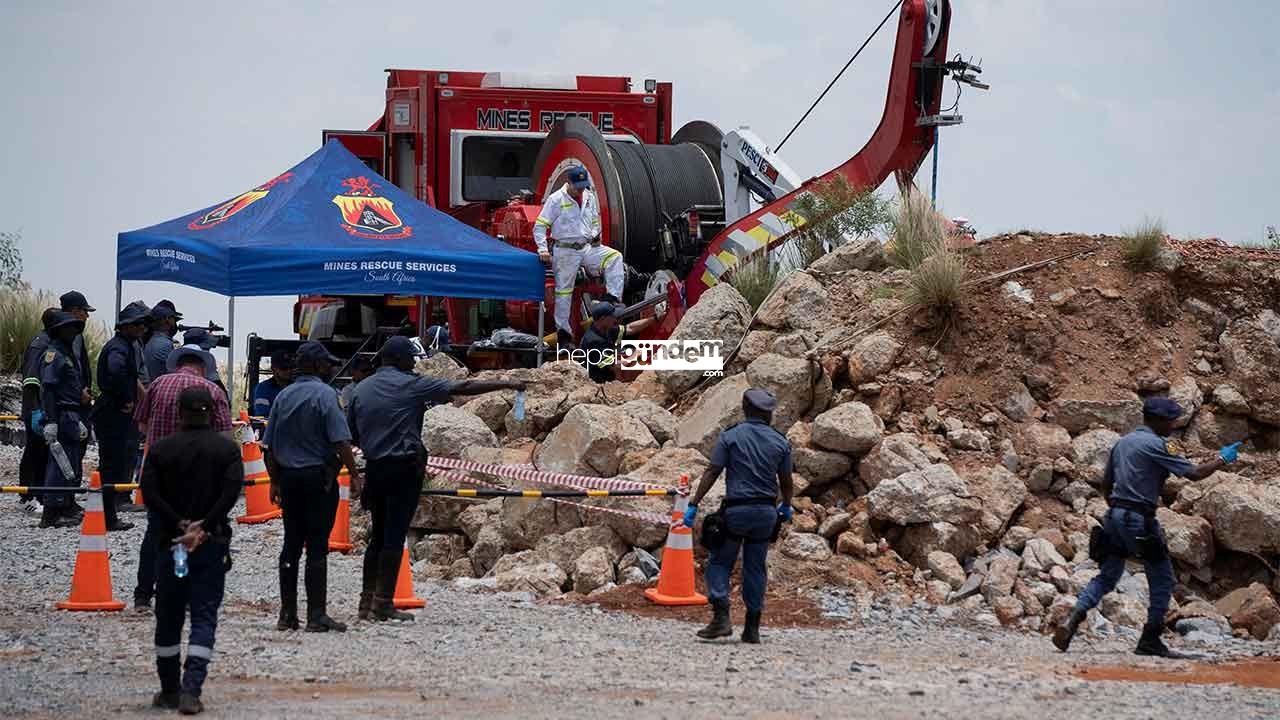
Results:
<point x="960" y="467"/>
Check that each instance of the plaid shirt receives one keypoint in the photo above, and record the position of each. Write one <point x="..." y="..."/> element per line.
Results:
<point x="159" y="411"/>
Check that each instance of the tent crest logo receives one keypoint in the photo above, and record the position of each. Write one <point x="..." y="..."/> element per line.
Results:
<point x="368" y="215"/>
<point x="224" y="211"/>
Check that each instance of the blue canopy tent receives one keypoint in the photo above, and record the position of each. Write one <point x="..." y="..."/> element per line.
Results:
<point x="327" y="225"/>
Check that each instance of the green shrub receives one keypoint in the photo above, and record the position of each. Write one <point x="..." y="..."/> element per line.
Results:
<point x="937" y="283"/>
<point x="917" y="231"/>
<point x="834" y="212"/>
<point x="755" y="277"/>
<point x="20" y="312"/>
<point x="1142" y="245"/>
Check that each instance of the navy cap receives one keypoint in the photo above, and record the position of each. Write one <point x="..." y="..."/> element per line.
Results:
<point x="282" y="360"/>
<point x="604" y="309"/>
<point x="1164" y="407"/>
<point x="316" y="352"/>
<point x="195" y="399"/>
<point x="46" y="317"/>
<point x="175" y="357"/>
<point x="399" y="346"/>
<point x="578" y="177"/>
<point x="201" y="337"/>
<point x="135" y="313"/>
<point x="760" y="399"/>
<point x="75" y="299"/>
<point x="62" y="319"/>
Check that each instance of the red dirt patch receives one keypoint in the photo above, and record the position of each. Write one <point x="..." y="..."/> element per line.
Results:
<point x="1251" y="672"/>
<point x="781" y="611"/>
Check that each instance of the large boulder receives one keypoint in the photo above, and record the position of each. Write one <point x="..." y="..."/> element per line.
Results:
<point x="791" y="382"/>
<point x="799" y="302"/>
<point x="1186" y="392"/>
<point x="1229" y="400"/>
<point x="849" y="428"/>
<point x="1043" y="440"/>
<point x="593" y="569"/>
<point x="492" y="408"/>
<point x="541" y="414"/>
<point x="717" y="409"/>
<point x="935" y="494"/>
<point x="1216" y="428"/>
<point x="1000" y="494"/>
<point x="664" y="468"/>
<point x="543" y="579"/>
<point x="441" y="366"/>
<point x="720" y="314"/>
<point x="861" y="254"/>
<point x="592" y="440"/>
<point x="1018" y="405"/>
<point x="1245" y="515"/>
<point x="1251" y="608"/>
<point x="488" y="546"/>
<point x="565" y="549"/>
<point x="919" y="541"/>
<point x="896" y="454"/>
<point x="435" y="513"/>
<point x="1040" y="556"/>
<point x="523" y="522"/>
<point x="661" y="423"/>
<point x="1090" y="452"/>
<point x="1190" y="537"/>
<point x="1251" y="358"/>
<point x="805" y="546"/>
<point x="448" y="431"/>
<point x="815" y="464"/>
<point x="946" y="568"/>
<point x="872" y="356"/>
<point x="1079" y="414"/>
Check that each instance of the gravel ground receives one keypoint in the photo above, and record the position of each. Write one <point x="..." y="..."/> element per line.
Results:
<point x="496" y="655"/>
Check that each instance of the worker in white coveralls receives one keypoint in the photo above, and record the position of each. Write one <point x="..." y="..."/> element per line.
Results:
<point x="573" y="217"/>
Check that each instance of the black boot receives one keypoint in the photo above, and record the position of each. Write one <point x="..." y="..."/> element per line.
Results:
<point x="1150" y="643"/>
<point x="56" y="518"/>
<point x="720" y="625"/>
<point x="317" y="583"/>
<point x="384" y="607"/>
<point x="368" y="584"/>
<point x="165" y="701"/>
<point x="751" y="631"/>
<point x="190" y="705"/>
<point x="1067" y="630"/>
<point x="288" y="598"/>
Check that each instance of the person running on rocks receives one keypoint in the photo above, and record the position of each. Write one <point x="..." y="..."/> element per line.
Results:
<point x="158" y="417"/>
<point x="756" y="460"/>
<point x="307" y="440"/>
<point x="191" y="480"/>
<point x="1132" y="482"/>
<point x="385" y="416"/>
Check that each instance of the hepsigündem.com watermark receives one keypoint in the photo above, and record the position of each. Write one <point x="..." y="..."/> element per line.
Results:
<point x="656" y="355"/>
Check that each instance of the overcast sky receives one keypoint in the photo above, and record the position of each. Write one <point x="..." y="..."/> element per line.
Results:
<point x="119" y="115"/>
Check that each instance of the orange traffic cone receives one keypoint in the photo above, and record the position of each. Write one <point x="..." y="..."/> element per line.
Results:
<point x="340" y="536"/>
<point x="404" y="598"/>
<point x="91" y="582"/>
<point x="675" y="579"/>
<point x="258" y="507"/>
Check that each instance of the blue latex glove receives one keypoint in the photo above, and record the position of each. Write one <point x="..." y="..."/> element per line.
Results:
<point x="1230" y="453"/>
<point x="785" y="512"/>
<point x="690" y="514"/>
<point x="37" y="419"/>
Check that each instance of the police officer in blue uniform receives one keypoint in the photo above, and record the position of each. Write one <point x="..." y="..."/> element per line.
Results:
<point x="164" y="325"/>
<point x="1135" y="475"/>
<point x="756" y="460"/>
<point x="120" y="378"/>
<point x="74" y="302"/>
<point x="385" y="416"/>
<point x="62" y="399"/>
<point x="307" y="440"/>
<point x="34" y="452"/>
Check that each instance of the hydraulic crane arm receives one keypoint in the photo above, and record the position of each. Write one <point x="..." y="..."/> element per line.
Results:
<point x="900" y="143"/>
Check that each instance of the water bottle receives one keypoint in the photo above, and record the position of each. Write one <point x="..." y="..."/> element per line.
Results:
<point x="180" y="560"/>
<point x="519" y="408"/>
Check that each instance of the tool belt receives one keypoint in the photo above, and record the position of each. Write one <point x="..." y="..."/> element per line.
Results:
<point x="715" y="529"/>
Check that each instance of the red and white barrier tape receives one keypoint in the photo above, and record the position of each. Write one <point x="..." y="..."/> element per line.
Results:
<point x="529" y="474"/>
<point x="463" y="479"/>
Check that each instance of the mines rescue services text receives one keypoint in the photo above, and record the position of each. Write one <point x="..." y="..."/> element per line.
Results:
<point x="392" y="265"/>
